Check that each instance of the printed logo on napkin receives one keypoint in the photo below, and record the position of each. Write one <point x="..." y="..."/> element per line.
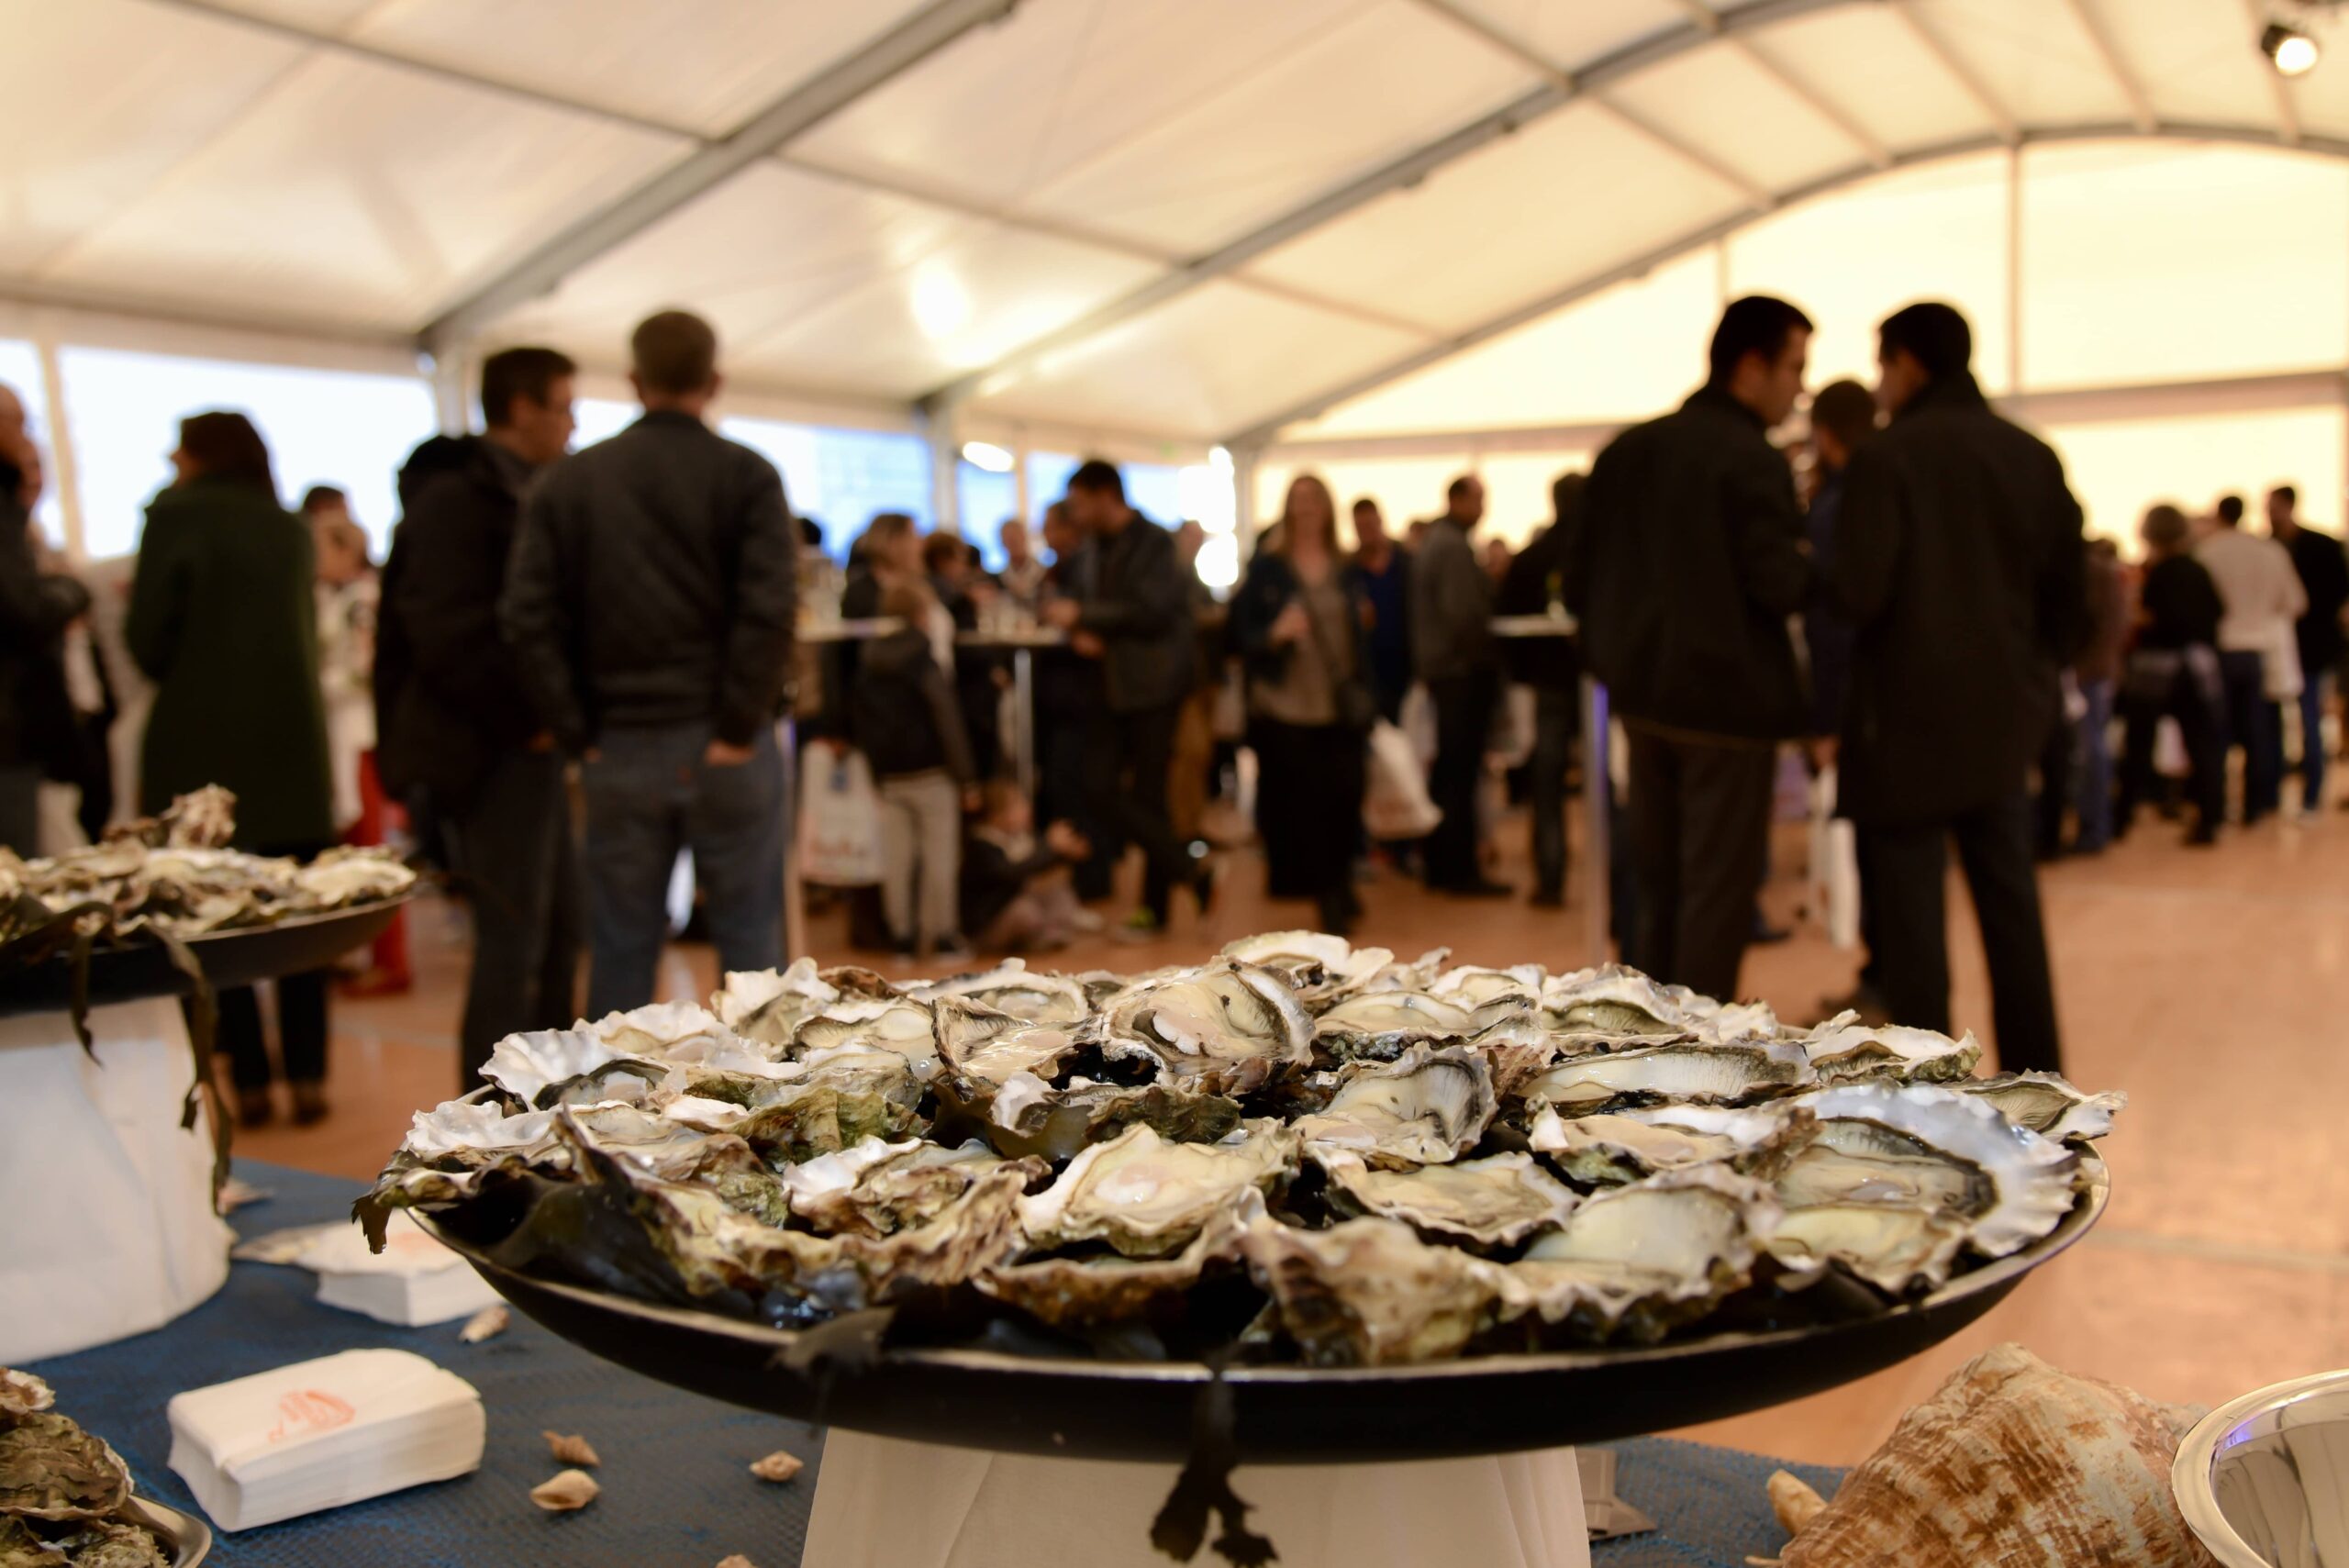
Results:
<point x="307" y="1412"/>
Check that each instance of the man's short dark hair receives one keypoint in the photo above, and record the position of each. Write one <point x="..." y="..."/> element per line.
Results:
<point x="1565" y="494"/>
<point x="510" y="373"/>
<point x="674" y="351"/>
<point x="2292" y="497"/>
<point x="938" y="551"/>
<point x="1933" y="334"/>
<point x="2231" y="510"/>
<point x="1458" y="488"/>
<point x="811" y="533"/>
<point x="1845" y="410"/>
<point x="1366" y="505"/>
<point x="1099" y="476"/>
<point x="318" y="497"/>
<point x="1758" y="324"/>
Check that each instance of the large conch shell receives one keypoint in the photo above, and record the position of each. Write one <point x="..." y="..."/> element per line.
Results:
<point x="2016" y="1463"/>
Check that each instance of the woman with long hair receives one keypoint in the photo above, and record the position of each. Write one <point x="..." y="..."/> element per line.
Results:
<point x="1299" y="624"/>
<point x="223" y="619"/>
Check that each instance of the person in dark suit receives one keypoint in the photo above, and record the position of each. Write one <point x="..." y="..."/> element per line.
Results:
<point x="2323" y="568"/>
<point x="1553" y="667"/>
<point x="1690" y="560"/>
<point x="224" y="620"/>
<point x="36" y="607"/>
<point x="1959" y="561"/>
<point x="1456" y="655"/>
<point x="1136" y="620"/>
<point x="457" y="734"/>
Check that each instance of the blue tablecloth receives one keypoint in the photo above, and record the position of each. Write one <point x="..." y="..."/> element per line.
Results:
<point x="676" y="1494"/>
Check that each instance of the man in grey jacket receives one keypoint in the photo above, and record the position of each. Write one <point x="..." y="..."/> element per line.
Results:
<point x="1454" y="655"/>
<point x="650" y="604"/>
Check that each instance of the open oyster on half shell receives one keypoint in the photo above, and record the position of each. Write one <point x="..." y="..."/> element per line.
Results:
<point x="1638" y="1260"/>
<point x="1370" y="1292"/>
<point x="1224" y="1028"/>
<point x="2048" y="1104"/>
<point x="1623" y="1146"/>
<point x="1098" y="1288"/>
<point x="1318" y="967"/>
<point x="1013" y="988"/>
<point x="1683" y="1070"/>
<point x="1493" y="1202"/>
<point x="1427" y="1107"/>
<point x="1843" y="1049"/>
<point x="1148" y="1197"/>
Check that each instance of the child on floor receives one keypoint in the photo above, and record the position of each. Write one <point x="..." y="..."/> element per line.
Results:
<point x="1016" y="893"/>
<point x="903" y="716"/>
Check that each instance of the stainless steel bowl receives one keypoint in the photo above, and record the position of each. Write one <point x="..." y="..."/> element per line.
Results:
<point x="185" y="1537"/>
<point x="2264" y="1480"/>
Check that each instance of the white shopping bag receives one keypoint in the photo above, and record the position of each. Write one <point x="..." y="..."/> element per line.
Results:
<point x="1396" y="805"/>
<point x="2170" y="760"/>
<point x="1834" y="875"/>
<point x="840" y="818"/>
<point x="1511" y="745"/>
<point x="1419" y="722"/>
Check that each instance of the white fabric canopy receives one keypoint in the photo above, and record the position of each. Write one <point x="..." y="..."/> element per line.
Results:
<point x="1196" y="220"/>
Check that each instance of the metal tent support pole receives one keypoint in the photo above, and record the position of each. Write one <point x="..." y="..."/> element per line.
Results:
<point x="1598" y="804"/>
<point x="1023" y="720"/>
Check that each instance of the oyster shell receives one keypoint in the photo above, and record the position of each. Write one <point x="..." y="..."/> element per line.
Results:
<point x="1084" y="1291"/>
<point x="989" y="1046"/>
<point x="768" y="1006"/>
<point x="1474" y="987"/>
<point x="1369" y="1292"/>
<point x="665" y="1031"/>
<point x="891" y="1024"/>
<point x="2048" y="1104"/>
<point x="1318" y="967"/>
<point x="556" y="1066"/>
<point x="1426" y="1108"/>
<point x="1227" y="1028"/>
<point x="1638" y="1260"/>
<point x="1920" y="1145"/>
<point x="1012" y="987"/>
<point x="1843" y="1049"/>
<point x="21" y="1394"/>
<point x="813" y="1119"/>
<point x="51" y="1469"/>
<point x="1682" y="1070"/>
<point x="878" y="1188"/>
<point x="1894" y="1247"/>
<point x="1148" y="1197"/>
<point x="1027" y="1115"/>
<point x="1379" y="1026"/>
<point x="1623" y="1146"/>
<point x="1493" y="1202"/>
<point x="1611" y="1002"/>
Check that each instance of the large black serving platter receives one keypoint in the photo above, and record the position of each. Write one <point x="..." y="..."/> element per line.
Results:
<point x="1077" y="1408"/>
<point x="141" y="969"/>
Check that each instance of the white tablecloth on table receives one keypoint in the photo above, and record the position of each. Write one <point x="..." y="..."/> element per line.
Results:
<point x="883" y="1502"/>
<point x="106" y="1224"/>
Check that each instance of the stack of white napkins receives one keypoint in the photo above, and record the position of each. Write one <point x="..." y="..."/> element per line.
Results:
<point x="320" y="1434"/>
<point x="413" y="1281"/>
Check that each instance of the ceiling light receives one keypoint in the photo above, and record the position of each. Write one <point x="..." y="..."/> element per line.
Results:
<point x="986" y="455"/>
<point x="2292" y="51"/>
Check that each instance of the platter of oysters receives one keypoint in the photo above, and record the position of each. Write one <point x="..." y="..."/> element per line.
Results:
<point x="65" y="1495"/>
<point x="1396" y="1207"/>
<point x="115" y="911"/>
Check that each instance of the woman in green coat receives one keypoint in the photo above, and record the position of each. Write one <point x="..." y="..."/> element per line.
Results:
<point x="223" y="619"/>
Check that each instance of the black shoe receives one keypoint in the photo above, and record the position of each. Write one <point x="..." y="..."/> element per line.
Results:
<point x="310" y="1105"/>
<point x="2203" y="838"/>
<point x="1337" y="919"/>
<point x="1547" y="899"/>
<point x="1203" y="889"/>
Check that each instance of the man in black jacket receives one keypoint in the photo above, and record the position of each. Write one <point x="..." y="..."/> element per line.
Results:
<point x="651" y="601"/>
<point x="1551" y="666"/>
<point x="459" y="738"/>
<point x="1959" y="560"/>
<point x="34" y="609"/>
<point x="2324" y="579"/>
<point x="1690" y="560"/>
<point x="1135" y="618"/>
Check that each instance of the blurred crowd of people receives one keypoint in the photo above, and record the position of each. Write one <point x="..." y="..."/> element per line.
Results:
<point x="567" y="674"/>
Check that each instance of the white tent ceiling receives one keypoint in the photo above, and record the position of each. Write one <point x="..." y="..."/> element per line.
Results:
<point x="1194" y="218"/>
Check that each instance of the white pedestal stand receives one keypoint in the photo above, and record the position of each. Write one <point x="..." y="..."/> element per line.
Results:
<point x="106" y="1224"/>
<point x="882" y="1503"/>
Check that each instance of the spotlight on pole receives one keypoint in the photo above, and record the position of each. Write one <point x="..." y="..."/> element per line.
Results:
<point x="986" y="455"/>
<point x="2292" y="51"/>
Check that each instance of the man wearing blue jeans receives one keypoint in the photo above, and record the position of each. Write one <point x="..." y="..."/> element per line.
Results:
<point x="651" y="603"/>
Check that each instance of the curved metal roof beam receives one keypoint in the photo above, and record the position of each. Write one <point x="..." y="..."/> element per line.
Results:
<point x="1264" y="431"/>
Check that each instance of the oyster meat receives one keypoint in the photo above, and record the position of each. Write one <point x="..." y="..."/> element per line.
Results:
<point x="1622" y="1146"/>
<point x="879" y="1188"/>
<point x="1148" y="1197"/>
<point x="768" y="1006"/>
<point x="1843" y="1049"/>
<point x="1369" y="1292"/>
<point x="1919" y="1145"/>
<point x="1894" y="1247"/>
<point x="1012" y="987"/>
<point x="1027" y="1115"/>
<point x="1611" y="1002"/>
<point x="1075" y="1292"/>
<point x="1493" y="1202"/>
<point x="2048" y="1104"/>
<point x="1318" y="967"/>
<point x="1682" y="1070"/>
<point x="1227" y="1027"/>
<point x="988" y="1046"/>
<point x="1427" y="1107"/>
<point x="1638" y="1260"/>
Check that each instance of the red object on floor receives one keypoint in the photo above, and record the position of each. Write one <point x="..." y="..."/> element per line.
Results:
<point x="388" y="969"/>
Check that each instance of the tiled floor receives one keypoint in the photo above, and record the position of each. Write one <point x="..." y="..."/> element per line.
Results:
<point x="2213" y="986"/>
